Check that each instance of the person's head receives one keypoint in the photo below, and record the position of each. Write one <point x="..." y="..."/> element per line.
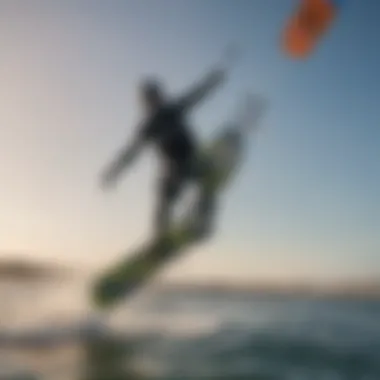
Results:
<point x="151" y="94"/>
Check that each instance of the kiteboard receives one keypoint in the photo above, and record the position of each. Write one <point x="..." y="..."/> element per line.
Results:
<point x="224" y="154"/>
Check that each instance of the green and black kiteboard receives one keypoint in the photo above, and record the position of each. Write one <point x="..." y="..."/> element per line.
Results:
<point x="122" y="279"/>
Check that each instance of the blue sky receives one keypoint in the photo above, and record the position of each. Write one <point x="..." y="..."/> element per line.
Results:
<point x="306" y="204"/>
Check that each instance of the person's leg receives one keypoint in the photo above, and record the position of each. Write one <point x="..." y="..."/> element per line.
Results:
<point x="169" y="190"/>
<point x="204" y="212"/>
<point x="207" y="204"/>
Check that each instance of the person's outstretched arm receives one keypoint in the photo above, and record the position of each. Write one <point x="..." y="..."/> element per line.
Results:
<point x="210" y="82"/>
<point x="122" y="161"/>
<point x="202" y="89"/>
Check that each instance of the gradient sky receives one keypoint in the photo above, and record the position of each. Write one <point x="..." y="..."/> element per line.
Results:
<point x="306" y="204"/>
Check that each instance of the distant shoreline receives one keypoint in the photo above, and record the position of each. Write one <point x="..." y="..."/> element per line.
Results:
<point x="22" y="270"/>
<point x="19" y="269"/>
<point x="341" y="291"/>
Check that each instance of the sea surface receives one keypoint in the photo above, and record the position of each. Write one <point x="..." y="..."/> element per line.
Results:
<point x="196" y="335"/>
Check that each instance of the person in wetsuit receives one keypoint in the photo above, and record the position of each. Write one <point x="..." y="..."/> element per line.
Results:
<point x="166" y="127"/>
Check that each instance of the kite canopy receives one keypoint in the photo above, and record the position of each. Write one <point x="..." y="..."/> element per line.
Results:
<point x="306" y="26"/>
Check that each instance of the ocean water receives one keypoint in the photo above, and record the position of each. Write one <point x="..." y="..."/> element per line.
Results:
<point x="174" y="335"/>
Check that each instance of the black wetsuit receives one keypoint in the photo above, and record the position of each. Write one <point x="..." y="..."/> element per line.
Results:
<point x="168" y="131"/>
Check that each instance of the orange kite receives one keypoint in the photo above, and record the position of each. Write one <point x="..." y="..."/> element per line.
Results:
<point x="307" y="25"/>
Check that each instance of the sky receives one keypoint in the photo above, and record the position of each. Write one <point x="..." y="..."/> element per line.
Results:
<point x="306" y="203"/>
